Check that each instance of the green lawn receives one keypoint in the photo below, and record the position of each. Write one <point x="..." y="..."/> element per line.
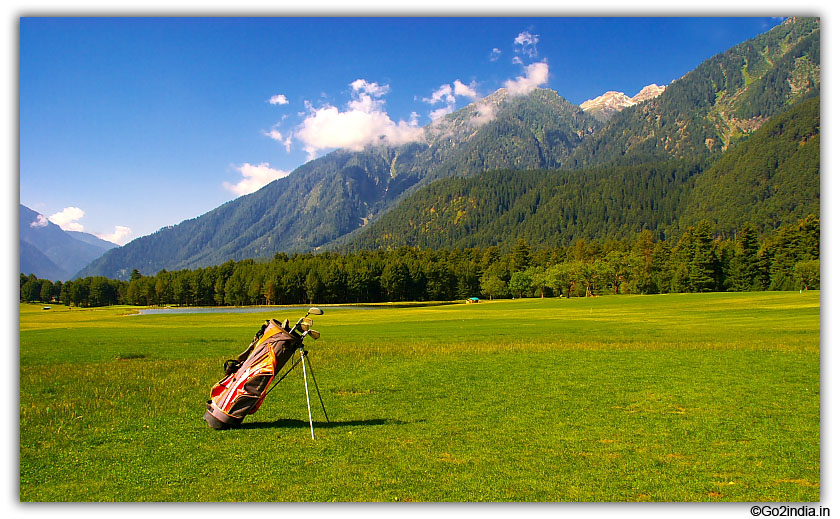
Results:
<point x="707" y="397"/>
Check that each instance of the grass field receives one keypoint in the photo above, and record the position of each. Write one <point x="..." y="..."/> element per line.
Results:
<point x="707" y="397"/>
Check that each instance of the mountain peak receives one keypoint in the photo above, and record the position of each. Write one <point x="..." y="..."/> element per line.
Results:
<point x="648" y="92"/>
<point x="612" y="102"/>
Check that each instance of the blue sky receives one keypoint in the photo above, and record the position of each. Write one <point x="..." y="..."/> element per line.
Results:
<point x="128" y="125"/>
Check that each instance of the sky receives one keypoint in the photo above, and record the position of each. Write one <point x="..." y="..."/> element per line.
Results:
<point x="128" y="125"/>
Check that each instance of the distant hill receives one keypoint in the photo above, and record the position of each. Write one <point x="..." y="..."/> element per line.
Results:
<point x="52" y="253"/>
<point x="90" y="239"/>
<point x="33" y="261"/>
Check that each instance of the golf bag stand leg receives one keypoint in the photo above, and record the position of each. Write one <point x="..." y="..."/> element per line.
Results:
<point x="312" y="373"/>
<point x="306" y="388"/>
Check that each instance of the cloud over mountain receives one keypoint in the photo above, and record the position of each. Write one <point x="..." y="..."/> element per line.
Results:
<point x="40" y="221"/>
<point x="66" y="219"/>
<point x="362" y="123"/>
<point x="447" y="94"/>
<point x="253" y="178"/>
<point x="119" y="236"/>
<point x="536" y="74"/>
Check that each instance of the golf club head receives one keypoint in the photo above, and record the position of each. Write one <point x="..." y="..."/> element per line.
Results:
<point x="305" y="324"/>
<point x="315" y="311"/>
<point x="314" y="334"/>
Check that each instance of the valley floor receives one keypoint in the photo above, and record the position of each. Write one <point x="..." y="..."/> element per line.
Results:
<point x="684" y="397"/>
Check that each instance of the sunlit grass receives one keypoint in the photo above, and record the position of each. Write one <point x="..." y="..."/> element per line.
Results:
<point x="629" y="398"/>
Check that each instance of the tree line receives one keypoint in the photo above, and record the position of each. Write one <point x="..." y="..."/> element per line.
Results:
<point x="698" y="261"/>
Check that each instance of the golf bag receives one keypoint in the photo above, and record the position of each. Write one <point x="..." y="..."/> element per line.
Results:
<point x="248" y="377"/>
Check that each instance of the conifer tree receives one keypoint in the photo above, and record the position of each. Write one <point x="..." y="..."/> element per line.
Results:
<point x="520" y="256"/>
<point x="680" y="262"/>
<point x="701" y="273"/>
<point x="745" y="269"/>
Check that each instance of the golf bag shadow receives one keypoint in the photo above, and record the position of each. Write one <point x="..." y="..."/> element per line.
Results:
<point x="248" y="377"/>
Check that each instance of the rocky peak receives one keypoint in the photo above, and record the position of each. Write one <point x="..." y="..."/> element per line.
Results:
<point x="648" y="92"/>
<point x="612" y="102"/>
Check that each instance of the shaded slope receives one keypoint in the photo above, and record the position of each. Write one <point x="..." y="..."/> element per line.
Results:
<point x="769" y="180"/>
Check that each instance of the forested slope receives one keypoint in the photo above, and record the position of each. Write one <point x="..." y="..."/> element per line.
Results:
<point x="769" y="180"/>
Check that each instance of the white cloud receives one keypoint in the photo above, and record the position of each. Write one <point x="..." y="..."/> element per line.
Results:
<point x="253" y="178"/>
<point x="526" y="38"/>
<point x="495" y="54"/>
<point x="277" y="135"/>
<point x="274" y="134"/>
<point x="40" y="221"/>
<point x="486" y="113"/>
<point x="66" y="219"/>
<point x="465" y="90"/>
<point x="278" y="99"/>
<point x="446" y="94"/>
<point x="434" y="115"/>
<point x="526" y="43"/>
<point x="536" y="74"/>
<point x="119" y="236"/>
<point x="372" y="89"/>
<point x="365" y="122"/>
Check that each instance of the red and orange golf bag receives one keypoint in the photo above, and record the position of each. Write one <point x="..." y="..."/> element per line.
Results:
<point x="248" y="377"/>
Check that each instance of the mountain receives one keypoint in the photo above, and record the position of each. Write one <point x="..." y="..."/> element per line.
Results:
<point x="52" y="253"/>
<point x="648" y="92"/>
<point x="719" y="103"/>
<point x="610" y="103"/>
<point x="636" y="167"/>
<point x="90" y="239"/>
<point x="769" y="180"/>
<point x="33" y="261"/>
<point x="331" y="196"/>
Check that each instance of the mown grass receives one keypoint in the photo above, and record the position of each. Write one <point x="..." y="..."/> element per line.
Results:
<point x="712" y="397"/>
